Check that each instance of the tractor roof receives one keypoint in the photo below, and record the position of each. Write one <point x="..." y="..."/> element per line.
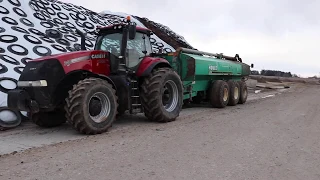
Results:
<point x="121" y="25"/>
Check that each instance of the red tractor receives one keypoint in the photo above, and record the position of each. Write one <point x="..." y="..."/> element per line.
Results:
<point x="89" y="89"/>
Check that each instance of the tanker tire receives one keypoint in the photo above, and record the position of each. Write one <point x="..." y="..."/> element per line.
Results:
<point x="243" y="92"/>
<point x="48" y="119"/>
<point x="234" y="93"/>
<point x="219" y="94"/>
<point x="151" y="96"/>
<point x="78" y="103"/>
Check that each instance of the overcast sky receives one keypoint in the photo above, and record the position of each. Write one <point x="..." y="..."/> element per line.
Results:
<point x="275" y="34"/>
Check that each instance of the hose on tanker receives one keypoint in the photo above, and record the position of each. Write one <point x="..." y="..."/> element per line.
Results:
<point x="218" y="55"/>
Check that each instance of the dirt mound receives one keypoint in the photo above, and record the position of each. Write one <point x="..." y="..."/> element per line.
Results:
<point x="165" y="33"/>
<point x="265" y="79"/>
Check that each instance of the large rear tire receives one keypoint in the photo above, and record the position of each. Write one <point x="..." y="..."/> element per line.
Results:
<point x="219" y="94"/>
<point x="162" y="95"/>
<point x="234" y="93"/>
<point x="243" y="92"/>
<point x="91" y="106"/>
<point x="48" y="119"/>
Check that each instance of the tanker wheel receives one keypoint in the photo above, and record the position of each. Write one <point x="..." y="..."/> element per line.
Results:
<point x="162" y="95"/>
<point x="219" y="94"/>
<point x="243" y="92"/>
<point x="91" y="106"/>
<point x="234" y="93"/>
<point x="48" y="119"/>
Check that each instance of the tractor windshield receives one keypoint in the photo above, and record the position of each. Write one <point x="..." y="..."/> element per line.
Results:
<point x="111" y="43"/>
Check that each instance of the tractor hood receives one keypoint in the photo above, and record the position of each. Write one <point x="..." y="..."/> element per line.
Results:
<point x="93" y="61"/>
<point x="92" y="54"/>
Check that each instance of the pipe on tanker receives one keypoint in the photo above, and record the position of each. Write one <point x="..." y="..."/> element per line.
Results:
<point x="192" y="51"/>
<point x="236" y="58"/>
<point x="220" y="56"/>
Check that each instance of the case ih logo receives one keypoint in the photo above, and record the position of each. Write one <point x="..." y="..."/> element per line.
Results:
<point x="98" y="56"/>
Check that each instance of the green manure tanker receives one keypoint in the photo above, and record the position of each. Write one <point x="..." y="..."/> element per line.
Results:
<point x="208" y="77"/>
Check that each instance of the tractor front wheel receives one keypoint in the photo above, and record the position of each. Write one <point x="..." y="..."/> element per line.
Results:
<point x="91" y="106"/>
<point x="162" y="95"/>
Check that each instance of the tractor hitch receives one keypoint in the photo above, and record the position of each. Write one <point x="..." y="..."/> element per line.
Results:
<point x="20" y="100"/>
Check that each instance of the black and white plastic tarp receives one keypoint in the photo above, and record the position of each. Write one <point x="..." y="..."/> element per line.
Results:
<point x="31" y="29"/>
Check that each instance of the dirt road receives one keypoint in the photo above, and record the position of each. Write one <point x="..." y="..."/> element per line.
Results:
<point x="274" y="138"/>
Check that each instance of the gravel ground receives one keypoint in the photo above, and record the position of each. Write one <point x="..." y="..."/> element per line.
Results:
<point x="273" y="138"/>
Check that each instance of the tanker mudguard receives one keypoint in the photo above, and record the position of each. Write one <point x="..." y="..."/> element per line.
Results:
<point x="149" y="63"/>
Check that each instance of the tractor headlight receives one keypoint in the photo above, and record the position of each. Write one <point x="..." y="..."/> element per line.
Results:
<point x="40" y="83"/>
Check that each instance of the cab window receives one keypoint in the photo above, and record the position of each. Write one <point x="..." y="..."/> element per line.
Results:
<point x="137" y="48"/>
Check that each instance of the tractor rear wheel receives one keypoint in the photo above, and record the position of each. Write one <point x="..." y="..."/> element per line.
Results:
<point x="162" y="95"/>
<point x="48" y="119"/>
<point x="234" y="93"/>
<point x="219" y="94"/>
<point x="91" y="106"/>
<point x="243" y="92"/>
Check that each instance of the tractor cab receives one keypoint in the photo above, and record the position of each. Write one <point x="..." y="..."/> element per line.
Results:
<point x="126" y="41"/>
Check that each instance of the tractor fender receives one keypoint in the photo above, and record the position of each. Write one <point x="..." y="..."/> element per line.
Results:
<point x="149" y="63"/>
<point x="105" y="78"/>
<point x="72" y="78"/>
<point x="83" y="73"/>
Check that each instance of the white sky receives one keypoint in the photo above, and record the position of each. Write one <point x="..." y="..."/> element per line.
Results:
<point x="272" y="34"/>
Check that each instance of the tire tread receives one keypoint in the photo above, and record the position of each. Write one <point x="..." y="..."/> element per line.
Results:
<point x="73" y="105"/>
<point x="149" y="97"/>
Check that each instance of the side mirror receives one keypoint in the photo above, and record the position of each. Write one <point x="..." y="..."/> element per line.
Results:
<point x="132" y="31"/>
<point x="252" y="65"/>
